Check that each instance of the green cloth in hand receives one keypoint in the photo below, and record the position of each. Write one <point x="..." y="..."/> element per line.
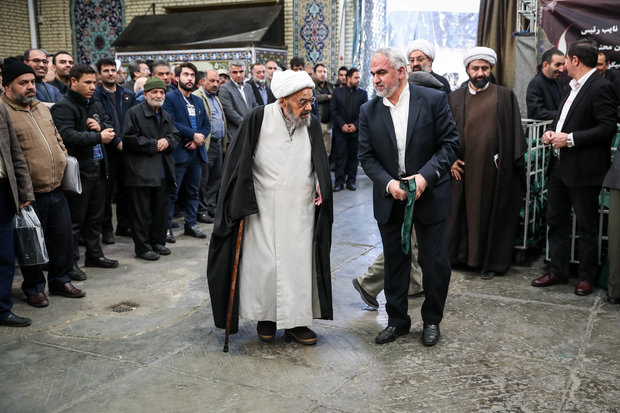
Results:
<point x="405" y="233"/>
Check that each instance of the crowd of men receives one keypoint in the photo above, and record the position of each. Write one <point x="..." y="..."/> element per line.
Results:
<point x="154" y="143"/>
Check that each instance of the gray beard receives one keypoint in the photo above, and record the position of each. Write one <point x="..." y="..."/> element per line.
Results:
<point x="387" y="92"/>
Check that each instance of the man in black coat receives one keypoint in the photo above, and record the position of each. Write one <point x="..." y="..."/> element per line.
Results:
<point x="345" y="112"/>
<point x="116" y="101"/>
<point x="581" y="137"/>
<point x="286" y="122"/>
<point x="262" y="92"/>
<point x="407" y="133"/>
<point x="84" y="128"/>
<point x="149" y="139"/>
<point x="544" y="92"/>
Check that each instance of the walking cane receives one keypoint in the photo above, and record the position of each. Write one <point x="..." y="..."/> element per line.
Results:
<point x="233" y="283"/>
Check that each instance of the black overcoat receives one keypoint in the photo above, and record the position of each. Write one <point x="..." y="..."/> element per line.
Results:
<point x="237" y="200"/>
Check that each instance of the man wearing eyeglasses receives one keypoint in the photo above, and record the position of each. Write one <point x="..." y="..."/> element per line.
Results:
<point x="276" y="178"/>
<point x="37" y="60"/>
<point x="421" y="57"/>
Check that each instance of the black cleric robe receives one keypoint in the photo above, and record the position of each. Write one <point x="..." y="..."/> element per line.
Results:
<point x="237" y="199"/>
<point x="506" y="191"/>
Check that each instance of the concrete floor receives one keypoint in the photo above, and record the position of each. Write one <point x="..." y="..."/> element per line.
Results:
<point x="505" y="346"/>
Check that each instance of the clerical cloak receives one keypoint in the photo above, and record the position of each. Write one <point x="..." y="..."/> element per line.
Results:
<point x="508" y="186"/>
<point x="238" y="199"/>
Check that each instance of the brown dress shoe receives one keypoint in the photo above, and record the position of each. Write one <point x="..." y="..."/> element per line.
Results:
<point x="266" y="330"/>
<point x="583" y="288"/>
<point x="38" y="300"/>
<point x="68" y="290"/>
<point x="549" y="279"/>
<point x="302" y="335"/>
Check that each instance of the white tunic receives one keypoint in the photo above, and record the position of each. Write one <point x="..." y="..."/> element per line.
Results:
<point x="276" y="270"/>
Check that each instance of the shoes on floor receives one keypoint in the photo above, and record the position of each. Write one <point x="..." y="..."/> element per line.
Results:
<point x="160" y="249"/>
<point x="266" y="330"/>
<point x="302" y="335"/>
<point x="583" y="287"/>
<point x="390" y="333"/>
<point x="430" y="334"/>
<point x="13" y="320"/>
<point x="351" y="187"/>
<point x="194" y="232"/>
<point x="206" y="218"/>
<point x="77" y="274"/>
<point x="149" y="255"/>
<point x="170" y="236"/>
<point x="367" y="298"/>
<point x="68" y="290"/>
<point x="101" y="262"/>
<point x="108" y="238"/>
<point x="549" y="279"/>
<point x="37" y="300"/>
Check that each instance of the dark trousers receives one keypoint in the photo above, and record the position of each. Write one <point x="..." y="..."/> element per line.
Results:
<point x="53" y="212"/>
<point x="211" y="177"/>
<point x="7" y="248"/>
<point x="87" y="212"/>
<point x="115" y="190"/>
<point x="188" y="180"/>
<point x="345" y="160"/>
<point x="584" y="201"/>
<point x="150" y="215"/>
<point x="432" y="258"/>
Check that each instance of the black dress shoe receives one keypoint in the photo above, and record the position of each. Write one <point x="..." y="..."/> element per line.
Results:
<point x="170" y="236"/>
<point x="68" y="290"/>
<point x="390" y="333"/>
<point x="367" y="298"/>
<point x="149" y="255"/>
<point x="77" y="274"/>
<point x="108" y="238"/>
<point x="351" y="187"/>
<point x="266" y="330"/>
<point x="13" y="320"/>
<point x="123" y="232"/>
<point x="612" y="300"/>
<point x="160" y="249"/>
<point x="101" y="262"/>
<point x="205" y="218"/>
<point x="430" y="334"/>
<point x="175" y="225"/>
<point x="194" y="232"/>
<point x="337" y="188"/>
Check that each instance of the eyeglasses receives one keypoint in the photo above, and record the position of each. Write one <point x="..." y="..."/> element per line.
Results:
<point x="305" y="102"/>
<point x="37" y="61"/>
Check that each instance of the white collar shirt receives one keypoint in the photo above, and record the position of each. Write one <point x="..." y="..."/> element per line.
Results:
<point x="241" y="91"/>
<point x="400" y="119"/>
<point x="575" y="87"/>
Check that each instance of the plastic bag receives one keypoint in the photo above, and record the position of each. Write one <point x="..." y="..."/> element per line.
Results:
<point x="71" y="179"/>
<point x="29" y="239"/>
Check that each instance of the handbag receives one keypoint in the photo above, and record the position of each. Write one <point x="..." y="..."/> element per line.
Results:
<point x="71" y="180"/>
<point x="29" y="239"/>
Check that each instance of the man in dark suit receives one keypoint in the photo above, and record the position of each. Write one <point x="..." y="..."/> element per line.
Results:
<point x="602" y="67"/>
<point x="581" y="137"/>
<point x="237" y="98"/>
<point x="190" y="118"/>
<point x="345" y="112"/>
<point x="262" y="93"/>
<point x="407" y="133"/>
<point x="544" y="93"/>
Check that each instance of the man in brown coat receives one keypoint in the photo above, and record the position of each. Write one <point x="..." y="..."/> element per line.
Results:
<point x="15" y="192"/>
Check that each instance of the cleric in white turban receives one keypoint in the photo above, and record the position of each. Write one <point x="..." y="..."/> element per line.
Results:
<point x="276" y="178"/>
<point x="480" y="53"/>
<point x="421" y="57"/>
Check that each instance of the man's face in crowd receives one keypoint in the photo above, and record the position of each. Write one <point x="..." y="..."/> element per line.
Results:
<point x="479" y="72"/>
<point x="144" y="71"/>
<point x="223" y="79"/>
<point x="64" y="63"/>
<point x="419" y="61"/>
<point x="22" y="89"/>
<point x="38" y="61"/>
<point x="321" y="74"/>
<point x="187" y="78"/>
<point x="121" y="75"/>
<point x="384" y="78"/>
<point x="237" y="73"/>
<point x="297" y="107"/>
<point x="85" y="86"/>
<point x="212" y="83"/>
<point x="601" y="64"/>
<point x="162" y="72"/>
<point x="258" y="74"/>
<point x="354" y="80"/>
<point x="342" y="77"/>
<point x="108" y="75"/>
<point x="297" y="68"/>
<point x="270" y="67"/>
<point x="155" y="97"/>
<point x="554" y="69"/>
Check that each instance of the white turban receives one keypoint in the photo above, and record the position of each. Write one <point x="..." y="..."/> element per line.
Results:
<point x="424" y="46"/>
<point x="287" y="82"/>
<point x="482" y="53"/>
